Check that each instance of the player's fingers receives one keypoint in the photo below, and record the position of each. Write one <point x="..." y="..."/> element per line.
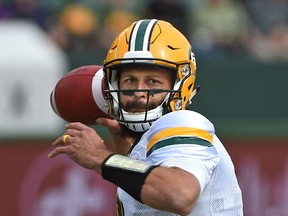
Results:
<point x="58" y="141"/>
<point x="62" y="140"/>
<point x="56" y="151"/>
<point x="72" y="133"/>
<point x="76" y="125"/>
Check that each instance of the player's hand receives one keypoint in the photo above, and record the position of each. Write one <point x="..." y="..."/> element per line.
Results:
<point x="83" y="145"/>
<point x="121" y="144"/>
<point x="111" y="124"/>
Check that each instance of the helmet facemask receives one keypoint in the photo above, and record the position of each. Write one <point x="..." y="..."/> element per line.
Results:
<point x="137" y="121"/>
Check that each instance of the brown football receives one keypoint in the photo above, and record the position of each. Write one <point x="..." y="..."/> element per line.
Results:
<point x="78" y="95"/>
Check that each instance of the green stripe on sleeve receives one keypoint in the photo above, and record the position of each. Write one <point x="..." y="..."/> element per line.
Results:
<point x="178" y="141"/>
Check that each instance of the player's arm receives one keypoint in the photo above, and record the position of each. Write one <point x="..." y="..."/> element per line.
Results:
<point x="170" y="189"/>
<point x="164" y="188"/>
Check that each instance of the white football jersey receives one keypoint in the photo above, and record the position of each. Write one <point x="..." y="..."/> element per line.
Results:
<point x="186" y="139"/>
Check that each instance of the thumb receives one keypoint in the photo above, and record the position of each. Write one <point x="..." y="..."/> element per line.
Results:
<point x="111" y="124"/>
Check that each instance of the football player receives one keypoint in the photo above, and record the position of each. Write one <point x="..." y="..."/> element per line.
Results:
<point x="167" y="159"/>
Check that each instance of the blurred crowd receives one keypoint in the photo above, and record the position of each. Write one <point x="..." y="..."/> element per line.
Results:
<point x="257" y="29"/>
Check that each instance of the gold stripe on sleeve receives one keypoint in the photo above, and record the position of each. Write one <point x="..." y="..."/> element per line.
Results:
<point x="180" y="131"/>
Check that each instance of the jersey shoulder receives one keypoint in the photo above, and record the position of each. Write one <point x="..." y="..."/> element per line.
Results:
<point x="183" y="118"/>
<point x="180" y="127"/>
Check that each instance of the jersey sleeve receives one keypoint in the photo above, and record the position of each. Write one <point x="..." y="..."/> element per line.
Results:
<point x="183" y="139"/>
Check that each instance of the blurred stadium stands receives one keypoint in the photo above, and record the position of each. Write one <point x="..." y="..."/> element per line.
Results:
<point x="242" y="60"/>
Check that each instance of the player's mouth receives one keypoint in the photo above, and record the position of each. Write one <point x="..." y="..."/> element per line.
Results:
<point x="138" y="107"/>
<point x="137" y="110"/>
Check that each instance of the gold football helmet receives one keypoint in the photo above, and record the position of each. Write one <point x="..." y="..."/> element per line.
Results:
<point x="158" y="43"/>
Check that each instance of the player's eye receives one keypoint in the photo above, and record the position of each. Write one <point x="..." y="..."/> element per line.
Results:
<point x="129" y="80"/>
<point x="153" y="81"/>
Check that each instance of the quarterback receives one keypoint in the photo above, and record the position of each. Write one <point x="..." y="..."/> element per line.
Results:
<point x="166" y="159"/>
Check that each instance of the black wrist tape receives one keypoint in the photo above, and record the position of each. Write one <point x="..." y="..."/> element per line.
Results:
<point x="128" y="174"/>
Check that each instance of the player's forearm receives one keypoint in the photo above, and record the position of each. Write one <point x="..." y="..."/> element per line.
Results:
<point x="171" y="189"/>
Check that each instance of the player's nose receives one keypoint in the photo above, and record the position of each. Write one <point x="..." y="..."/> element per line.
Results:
<point x="141" y="86"/>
